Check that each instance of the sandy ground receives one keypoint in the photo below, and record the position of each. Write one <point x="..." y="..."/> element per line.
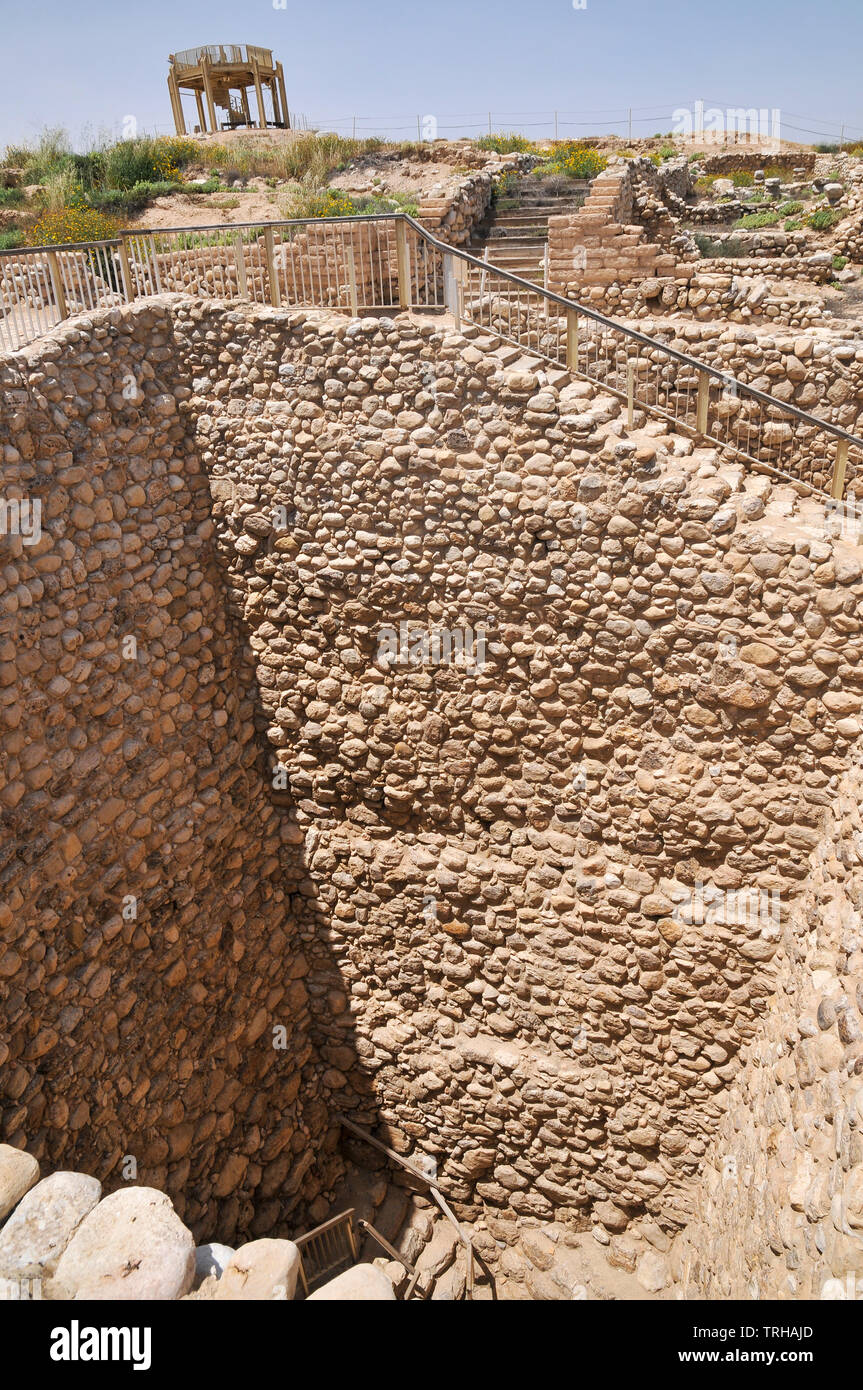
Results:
<point x="251" y="204"/>
<point x="257" y="202"/>
<point x="375" y="175"/>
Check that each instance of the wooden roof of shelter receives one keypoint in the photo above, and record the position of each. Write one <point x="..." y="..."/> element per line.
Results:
<point x="234" y="57"/>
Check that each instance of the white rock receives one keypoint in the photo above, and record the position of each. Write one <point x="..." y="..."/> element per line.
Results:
<point x="262" y="1269"/>
<point x="18" y="1172"/>
<point x="362" y="1284"/>
<point x="44" y="1222"/>
<point x="133" y="1245"/>
<point x="652" y="1272"/>
<point x="211" y="1260"/>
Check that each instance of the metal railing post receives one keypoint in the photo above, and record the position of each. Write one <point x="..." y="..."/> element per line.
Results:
<point x="242" y="283"/>
<point x="837" y="482"/>
<point x="630" y="393"/>
<point x="270" y="252"/>
<point x="57" y="284"/>
<point x="703" y="402"/>
<point x="125" y="270"/>
<point x="450" y="286"/>
<point x="403" y="263"/>
<point x="352" y="282"/>
<point x="571" y="340"/>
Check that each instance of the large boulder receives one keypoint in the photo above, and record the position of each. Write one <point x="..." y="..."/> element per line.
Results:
<point x="133" y="1245"/>
<point x="44" y="1222"/>
<point x="362" y="1284"/>
<point x="262" y="1269"/>
<point x="18" y="1173"/>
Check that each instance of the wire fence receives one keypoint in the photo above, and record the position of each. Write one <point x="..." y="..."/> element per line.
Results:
<point x="390" y="262"/>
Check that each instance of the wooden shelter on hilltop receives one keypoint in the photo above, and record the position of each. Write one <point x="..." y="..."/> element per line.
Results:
<point x="221" y="75"/>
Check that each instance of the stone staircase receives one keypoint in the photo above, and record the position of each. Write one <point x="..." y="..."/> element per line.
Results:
<point x="516" y="235"/>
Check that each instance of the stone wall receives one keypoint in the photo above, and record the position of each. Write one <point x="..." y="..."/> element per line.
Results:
<point x="623" y="251"/>
<point x="451" y="211"/>
<point x="493" y="919"/>
<point x="490" y="943"/>
<point x="601" y="245"/>
<point x="734" y="161"/>
<point x="820" y="373"/>
<point x="153" y="899"/>
<point x="780" y="1209"/>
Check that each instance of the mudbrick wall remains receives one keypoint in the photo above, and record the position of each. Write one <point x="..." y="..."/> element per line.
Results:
<point x="472" y="892"/>
<point x="623" y="253"/>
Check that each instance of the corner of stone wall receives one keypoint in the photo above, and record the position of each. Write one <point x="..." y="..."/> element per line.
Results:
<point x="779" y="1202"/>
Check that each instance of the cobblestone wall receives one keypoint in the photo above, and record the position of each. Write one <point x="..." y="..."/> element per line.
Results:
<point x="151" y="902"/>
<point x="780" y="1207"/>
<point x="498" y="895"/>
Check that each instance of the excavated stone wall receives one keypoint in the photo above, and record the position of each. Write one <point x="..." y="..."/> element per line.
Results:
<point x="153" y="900"/>
<point x="502" y="848"/>
<point x="532" y="922"/>
<point x="780" y="1209"/>
<point x="821" y="373"/>
<point x="623" y="252"/>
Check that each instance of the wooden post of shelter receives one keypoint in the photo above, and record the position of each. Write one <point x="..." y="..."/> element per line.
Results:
<point x="259" y="92"/>
<point x="280" y="78"/>
<point x="208" y="88"/>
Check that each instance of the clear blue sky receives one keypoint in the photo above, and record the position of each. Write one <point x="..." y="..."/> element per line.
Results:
<point x="387" y="61"/>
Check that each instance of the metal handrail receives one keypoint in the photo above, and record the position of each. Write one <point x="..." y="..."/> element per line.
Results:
<point x="434" y="1187"/>
<point x="653" y="343"/>
<point x="19" y="251"/>
<point x="128" y="232"/>
<point x="547" y="297"/>
<point x="240" y="53"/>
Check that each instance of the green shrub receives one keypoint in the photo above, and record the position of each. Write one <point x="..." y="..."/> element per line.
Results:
<point x="10" y="241"/>
<point x="793" y="224"/>
<point x="11" y="197"/>
<point x="78" y="223"/>
<point x="310" y="201"/>
<point x="147" y="160"/>
<point x="839" y="262"/>
<point x="753" y="220"/>
<point x="789" y="208"/>
<point x="667" y="152"/>
<point x="504" y="185"/>
<point x="824" y="218"/>
<point x="855" y="148"/>
<point x="511" y="143"/>
<point x="88" y="170"/>
<point x="52" y="152"/>
<point x="312" y="157"/>
<point x="61" y="189"/>
<point x="576" y="161"/>
<point x="129" y="200"/>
